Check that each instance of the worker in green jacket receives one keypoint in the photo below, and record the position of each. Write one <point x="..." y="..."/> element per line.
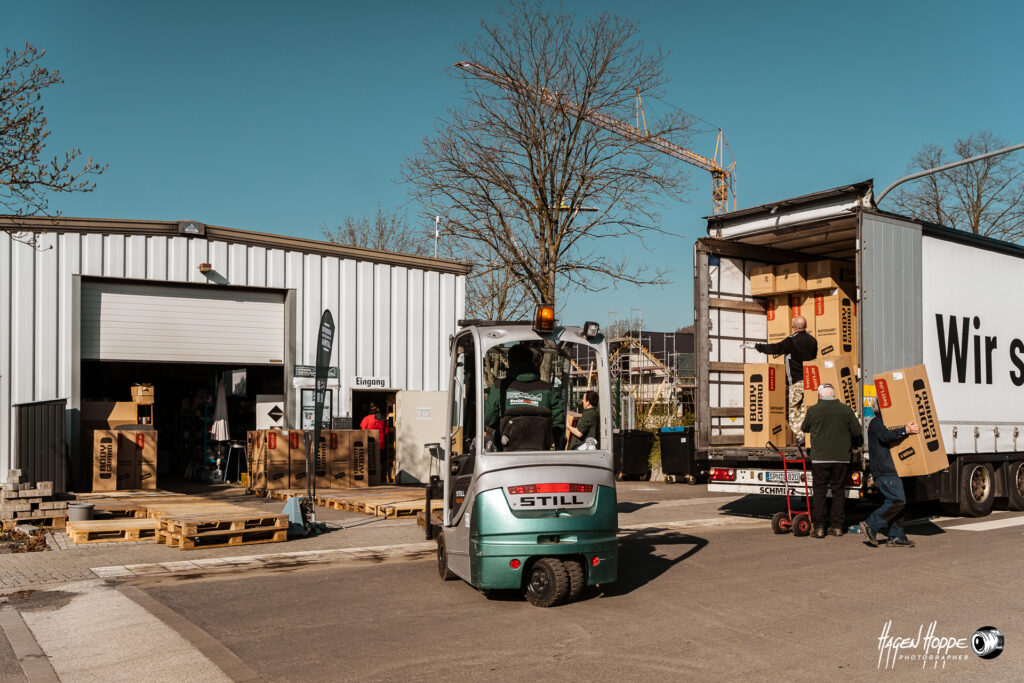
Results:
<point x="589" y="425"/>
<point x="835" y="431"/>
<point x="522" y="408"/>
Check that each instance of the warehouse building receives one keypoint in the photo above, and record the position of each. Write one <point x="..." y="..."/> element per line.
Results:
<point x="95" y="306"/>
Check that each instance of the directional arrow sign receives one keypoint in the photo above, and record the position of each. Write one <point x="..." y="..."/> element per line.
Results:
<point x="276" y="413"/>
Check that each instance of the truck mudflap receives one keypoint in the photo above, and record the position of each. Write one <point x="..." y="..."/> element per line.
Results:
<point x="498" y="536"/>
<point x="767" y="482"/>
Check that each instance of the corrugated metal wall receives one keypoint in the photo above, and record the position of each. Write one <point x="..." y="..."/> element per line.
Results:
<point x="41" y="451"/>
<point x="392" y="321"/>
<point x="890" y="306"/>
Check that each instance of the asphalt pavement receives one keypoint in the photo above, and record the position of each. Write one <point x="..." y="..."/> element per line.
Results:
<point x="705" y="591"/>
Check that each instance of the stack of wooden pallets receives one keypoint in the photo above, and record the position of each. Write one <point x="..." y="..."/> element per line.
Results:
<point x="27" y="503"/>
<point x="112" y="530"/>
<point x="379" y="501"/>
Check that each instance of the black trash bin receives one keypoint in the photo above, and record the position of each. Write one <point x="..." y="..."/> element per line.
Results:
<point x="678" y="454"/>
<point x="631" y="450"/>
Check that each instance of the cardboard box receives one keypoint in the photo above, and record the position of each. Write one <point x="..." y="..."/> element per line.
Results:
<point x="256" y="459"/>
<point x="904" y="396"/>
<point x="137" y="449"/>
<point x="324" y="455"/>
<point x="764" y="405"/>
<point x="104" y="468"/>
<point x="777" y="317"/>
<point x="278" y="457"/>
<point x="762" y="280"/>
<point x="108" y="414"/>
<point x="790" y="277"/>
<point x="839" y="371"/>
<point x="835" y="321"/>
<point x="365" y="460"/>
<point x="339" y="450"/>
<point x="143" y="394"/>
<point x="297" y="459"/>
<point x="831" y="274"/>
<point x="802" y="304"/>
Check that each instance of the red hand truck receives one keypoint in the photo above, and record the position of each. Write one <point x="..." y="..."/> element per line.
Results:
<point x="797" y="521"/>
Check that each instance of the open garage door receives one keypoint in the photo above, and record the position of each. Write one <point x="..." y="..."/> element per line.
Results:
<point x="133" y="321"/>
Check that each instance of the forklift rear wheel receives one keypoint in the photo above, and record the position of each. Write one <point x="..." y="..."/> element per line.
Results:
<point x="780" y="523"/>
<point x="576" y="579"/>
<point x="548" y="583"/>
<point x="801" y="525"/>
<point x="442" y="559"/>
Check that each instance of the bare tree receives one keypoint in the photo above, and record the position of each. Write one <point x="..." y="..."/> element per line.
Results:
<point x="985" y="197"/>
<point x="386" y="231"/>
<point x="26" y="178"/>
<point x="514" y="174"/>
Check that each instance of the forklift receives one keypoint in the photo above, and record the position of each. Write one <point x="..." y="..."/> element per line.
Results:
<point x="519" y="510"/>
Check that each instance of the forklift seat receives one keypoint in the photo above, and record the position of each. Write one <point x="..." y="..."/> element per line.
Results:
<point x="525" y="428"/>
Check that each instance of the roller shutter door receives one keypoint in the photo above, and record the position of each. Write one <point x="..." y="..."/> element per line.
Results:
<point x="130" y="321"/>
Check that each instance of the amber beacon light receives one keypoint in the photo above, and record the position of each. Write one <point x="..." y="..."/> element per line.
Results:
<point x="545" y="319"/>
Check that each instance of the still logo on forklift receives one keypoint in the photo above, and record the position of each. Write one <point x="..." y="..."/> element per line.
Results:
<point x="547" y="501"/>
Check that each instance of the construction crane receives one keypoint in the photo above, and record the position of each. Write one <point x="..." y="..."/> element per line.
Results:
<point x="722" y="177"/>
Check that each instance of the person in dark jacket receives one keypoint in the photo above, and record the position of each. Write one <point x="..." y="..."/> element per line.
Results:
<point x="891" y="512"/>
<point x="589" y="426"/>
<point x="834" y="430"/>
<point x="798" y="348"/>
<point x="523" y="391"/>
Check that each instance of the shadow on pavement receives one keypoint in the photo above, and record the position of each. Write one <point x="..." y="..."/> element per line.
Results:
<point x="647" y="554"/>
<point x="625" y="508"/>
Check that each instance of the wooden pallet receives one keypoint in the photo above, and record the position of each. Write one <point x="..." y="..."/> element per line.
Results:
<point x="242" y="521"/>
<point x="119" y="509"/>
<point x="407" y="508"/>
<point x="112" y="531"/>
<point x="421" y="516"/>
<point x="47" y="522"/>
<point x="221" y="539"/>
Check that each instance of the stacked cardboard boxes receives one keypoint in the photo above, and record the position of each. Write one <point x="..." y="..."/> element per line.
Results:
<point x="124" y="459"/>
<point x="344" y="458"/>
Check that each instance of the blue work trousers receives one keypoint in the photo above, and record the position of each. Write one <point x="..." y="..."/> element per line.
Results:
<point x="892" y="512"/>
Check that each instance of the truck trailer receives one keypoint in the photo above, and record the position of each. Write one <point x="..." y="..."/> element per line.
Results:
<point x="923" y="294"/>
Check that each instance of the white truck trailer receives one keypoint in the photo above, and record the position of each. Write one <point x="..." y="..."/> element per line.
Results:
<point x="926" y="294"/>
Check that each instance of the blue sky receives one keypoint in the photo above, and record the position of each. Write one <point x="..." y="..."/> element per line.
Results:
<point x="281" y="117"/>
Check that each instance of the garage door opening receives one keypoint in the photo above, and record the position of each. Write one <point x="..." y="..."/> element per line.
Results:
<point x="184" y="400"/>
<point x="384" y="401"/>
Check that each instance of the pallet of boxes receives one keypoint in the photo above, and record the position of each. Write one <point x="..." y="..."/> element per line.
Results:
<point x="346" y="458"/>
<point x="123" y="439"/>
<point x="820" y="292"/>
<point x="30" y="503"/>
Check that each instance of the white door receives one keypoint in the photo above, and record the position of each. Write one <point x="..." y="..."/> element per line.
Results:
<point x="419" y="419"/>
<point x="133" y="321"/>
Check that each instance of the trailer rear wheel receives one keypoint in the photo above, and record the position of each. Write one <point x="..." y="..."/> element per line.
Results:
<point x="577" y="581"/>
<point x="442" y="559"/>
<point x="977" y="489"/>
<point x="548" y="583"/>
<point x="1015" y="485"/>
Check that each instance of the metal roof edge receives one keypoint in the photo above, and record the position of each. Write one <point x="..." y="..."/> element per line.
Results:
<point x="956" y="235"/>
<point x="117" y="226"/>
<point x="856" y="191"/>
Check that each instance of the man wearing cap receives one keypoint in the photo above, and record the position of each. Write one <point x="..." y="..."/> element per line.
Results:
<point x="798" y="348"/>
<point x="891" y="512"/>
<point x="834" y="430"/>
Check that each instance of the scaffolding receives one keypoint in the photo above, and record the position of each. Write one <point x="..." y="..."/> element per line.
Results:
<point x="653" y="381"/>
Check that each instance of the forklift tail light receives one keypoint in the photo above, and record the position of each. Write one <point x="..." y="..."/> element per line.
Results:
<point x="723" y="474"/>
<point x="515" y="564"/>
<point x="853" y="479"/>
<point x="545" y="318"/>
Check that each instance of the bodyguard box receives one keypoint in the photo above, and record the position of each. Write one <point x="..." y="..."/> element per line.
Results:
<point x="278" y="457"/>
<point x="839" y="371"/>
<point x="104" y="460"/>
<point x="764" y="405"/>
<point x="904" y="396"/>
<point x="256" y="458"/>
<point x="365" y="460"/>
<point x="324" y="452"/>
<point x="138" y="450"/>
<point x="777" y="317"/>
<point x="802" y="304"/>
<point x="831" y="274"/>
<point x="790" y="277"/>
<point x="835" y="321"/>
<point x="339" y="456"/>
<point x="297" y="459"/>
<point x="143" y="394"/>
<point x="762" y="280"/>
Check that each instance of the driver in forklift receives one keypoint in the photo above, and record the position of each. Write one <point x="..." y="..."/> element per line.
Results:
<point x="522" y="408"/>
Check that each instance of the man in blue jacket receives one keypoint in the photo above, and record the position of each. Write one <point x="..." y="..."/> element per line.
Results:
<point x="892" y="512"/>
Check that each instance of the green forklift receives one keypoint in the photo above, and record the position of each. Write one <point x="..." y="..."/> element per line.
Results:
<point x="519" y="509"/>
